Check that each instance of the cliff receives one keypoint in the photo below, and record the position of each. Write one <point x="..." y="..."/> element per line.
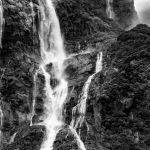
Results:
<point x="125" y="13"/>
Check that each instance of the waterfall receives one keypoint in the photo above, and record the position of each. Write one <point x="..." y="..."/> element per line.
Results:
<point x="138" y="7"/>
<point x="1" y="30"/>
<point x="80" y="108"/>
<point x="109" y="9"/>
<point x="79" y="141"/>
<point x="33" y="16"/>
<point x="142" y="9"/>
<point x="51" y="66"/>
<point x="1" y="22"/>
<point x="34" y="97"/>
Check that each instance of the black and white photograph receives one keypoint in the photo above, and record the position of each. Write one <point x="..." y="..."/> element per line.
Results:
<point x="74" y="74"/>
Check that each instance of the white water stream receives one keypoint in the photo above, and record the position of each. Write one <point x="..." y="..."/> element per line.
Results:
<point x="53" y="56"/>
<point x="52" y="53"/>
<point x="109" y="9"/>
<point x="52" y="67"/>
<point x="1" y="30"/>
<point x="80" y="108"/>
<point x="142" y="8"/>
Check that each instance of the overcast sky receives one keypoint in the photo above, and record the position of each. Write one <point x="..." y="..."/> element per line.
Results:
<point x="143" y="9"/>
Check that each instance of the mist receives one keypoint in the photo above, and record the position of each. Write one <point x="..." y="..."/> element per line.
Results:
<point x="143" y="9"/>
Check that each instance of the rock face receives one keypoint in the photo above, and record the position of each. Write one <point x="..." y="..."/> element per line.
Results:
<point x="117" y="114"/>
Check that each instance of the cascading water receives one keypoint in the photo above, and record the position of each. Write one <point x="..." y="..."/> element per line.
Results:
<point x="52" y="53"/>
<point x="80" y="108"/>
<point x="1" y="21"/>
<point x="142" y="9"/>
<point x="33" y="15"/>
<point x="109" y="9"/>
<point x="34" y="97"/>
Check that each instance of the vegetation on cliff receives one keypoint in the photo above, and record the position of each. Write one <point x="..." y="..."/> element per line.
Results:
<point x="118" y="116"/>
